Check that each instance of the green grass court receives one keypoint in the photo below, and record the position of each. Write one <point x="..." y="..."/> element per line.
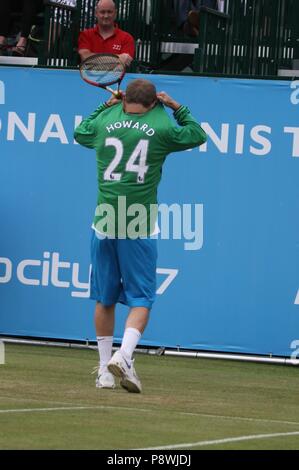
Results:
<point x="48" y="400"/>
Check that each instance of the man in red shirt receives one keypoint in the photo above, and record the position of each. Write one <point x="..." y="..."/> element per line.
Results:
<point x="106" y="37"/>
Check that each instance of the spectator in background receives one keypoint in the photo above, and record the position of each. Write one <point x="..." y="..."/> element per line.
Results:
<point x="28" y="9"/>
<point x="187" y="14"/>
<point x="106" y="37"/>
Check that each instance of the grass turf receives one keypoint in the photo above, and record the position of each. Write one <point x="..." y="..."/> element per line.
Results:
<point x="184" y="401"/>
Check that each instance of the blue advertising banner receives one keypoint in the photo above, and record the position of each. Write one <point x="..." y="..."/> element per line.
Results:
<point x="228" y="277"/>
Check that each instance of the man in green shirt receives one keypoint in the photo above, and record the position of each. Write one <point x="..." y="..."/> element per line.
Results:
<point x="132" y="138"/>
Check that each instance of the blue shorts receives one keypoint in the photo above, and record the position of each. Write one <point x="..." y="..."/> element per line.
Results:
<point x="123" y="270"/>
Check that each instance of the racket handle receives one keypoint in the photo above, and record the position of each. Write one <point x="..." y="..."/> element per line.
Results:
<point x="118" y="94"/>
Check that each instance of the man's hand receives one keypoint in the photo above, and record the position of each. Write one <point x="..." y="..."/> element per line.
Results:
<point x="126" y="59"/>
<point x="114" y="99"/>
<point x="84" y="53"/>
<point x="168" y="101"/>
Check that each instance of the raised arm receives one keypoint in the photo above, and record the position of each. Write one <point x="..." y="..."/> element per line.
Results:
<point x="86" y="132"/>
<point x="190" y="134"/>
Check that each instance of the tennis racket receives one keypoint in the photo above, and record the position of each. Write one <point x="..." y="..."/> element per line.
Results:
<point x="103" y="70"/>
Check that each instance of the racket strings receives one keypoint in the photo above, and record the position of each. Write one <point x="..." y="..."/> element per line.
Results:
<point x="102" y="70"/>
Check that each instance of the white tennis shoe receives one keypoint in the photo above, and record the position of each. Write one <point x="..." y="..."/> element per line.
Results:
<point x="105" y="380"/>
<point x="120" y="367"/>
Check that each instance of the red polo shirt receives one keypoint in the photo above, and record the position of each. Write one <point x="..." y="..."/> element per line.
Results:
<point x="120" y="42"/>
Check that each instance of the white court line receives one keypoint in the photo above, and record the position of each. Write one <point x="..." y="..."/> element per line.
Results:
<point x="240" y="418"/>
<point x="48" y="402"/>
<point x="223" y="441"/>
<point x="145" y="410"/>
<point x="174" y="446"/>
<point x="60" y="408"/>
<point x="72" y="408"/>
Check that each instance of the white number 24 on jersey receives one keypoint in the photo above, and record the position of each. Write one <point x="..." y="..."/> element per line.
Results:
<point x="136" y="163"/>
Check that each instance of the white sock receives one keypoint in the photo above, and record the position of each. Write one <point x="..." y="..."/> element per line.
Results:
<point x="105" y="350"/>
<point x="129" y="342"/>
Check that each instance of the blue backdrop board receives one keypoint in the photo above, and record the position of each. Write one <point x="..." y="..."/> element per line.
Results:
<point x="228" y="282"/>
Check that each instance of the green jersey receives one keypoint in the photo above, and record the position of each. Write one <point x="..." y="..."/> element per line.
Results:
<point x="130" y="150"/>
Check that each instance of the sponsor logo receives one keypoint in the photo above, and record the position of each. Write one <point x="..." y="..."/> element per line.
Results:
<point x="116" y="47"/>
<point x="52" y="271"/>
